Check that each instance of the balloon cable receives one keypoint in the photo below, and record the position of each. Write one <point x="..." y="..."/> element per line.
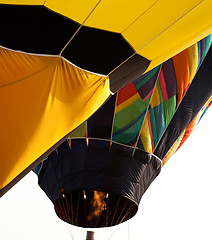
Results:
<point x="79" y="28"/>
<point x="115" y="211"/>
<point x="77" y="208"/>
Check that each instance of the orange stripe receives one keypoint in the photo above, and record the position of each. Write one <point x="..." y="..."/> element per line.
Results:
<point x="182" y="71"/>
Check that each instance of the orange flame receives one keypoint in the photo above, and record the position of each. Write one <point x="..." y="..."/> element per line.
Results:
<point x="98" y="203"/>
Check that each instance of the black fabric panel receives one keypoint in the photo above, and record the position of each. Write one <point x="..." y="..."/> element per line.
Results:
<point x="97" y="50"/>
<point x="128" y="72"/>
<point x="99" y="166"/>
<point x="103" y="166"/>
<point x="34" y="29"/>
<point x="100" y="124"/>
<point x="198" y="93"/>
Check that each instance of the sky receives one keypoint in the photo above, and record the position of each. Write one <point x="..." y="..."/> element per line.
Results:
<point x="176" y="206"/>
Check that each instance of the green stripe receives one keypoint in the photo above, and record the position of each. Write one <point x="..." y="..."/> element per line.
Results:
<point x="147" y="77"/>
<point x="159" y="90"/>
<point x="147" y="101"/>
<point x="129" y="134"/>
<point x="157" y="122"/>
<point x="80" y="131"/>
<point x="169" y="109"/>
<point x="208" y="41"/>
<point x="128" y="114"/>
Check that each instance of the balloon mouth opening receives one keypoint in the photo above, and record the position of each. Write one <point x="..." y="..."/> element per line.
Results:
<point x="94" y="209"/>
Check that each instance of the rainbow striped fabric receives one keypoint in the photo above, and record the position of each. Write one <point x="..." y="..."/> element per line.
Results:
<point x="145" y="107"/>
<point x="140" y="113"/>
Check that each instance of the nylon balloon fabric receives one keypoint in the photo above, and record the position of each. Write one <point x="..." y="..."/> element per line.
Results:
<point x="61" y="60"/>
<point x="145" y="108"/>
<point x="119" y="150"/>
<point x="136" y="37"/>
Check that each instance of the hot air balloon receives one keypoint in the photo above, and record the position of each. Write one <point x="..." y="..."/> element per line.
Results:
<point x="96" y="178"/>
<point x="61" y="60"/>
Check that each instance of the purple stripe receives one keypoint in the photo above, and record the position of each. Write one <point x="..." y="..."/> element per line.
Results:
<point x="139" y="79"/>
<point x="147" y="88"/>
<point x="170" y="78"/>
<point x="202" y="49"/>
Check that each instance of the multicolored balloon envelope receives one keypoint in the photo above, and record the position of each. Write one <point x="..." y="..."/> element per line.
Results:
<point x="97" y="177"/>
<point x="61" y="60"/>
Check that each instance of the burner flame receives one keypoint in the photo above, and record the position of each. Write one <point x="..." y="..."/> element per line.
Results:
<point x="98" y="203"/>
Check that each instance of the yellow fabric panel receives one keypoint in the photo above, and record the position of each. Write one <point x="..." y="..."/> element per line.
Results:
<point x="170" y="153"/>
<point x="116" y="16"/>
<point x="157" y="19"/>
<point x="127" y="102"/>
<point x="193" y="60"/>
<point x="156" y="29"/>
<point x="76" y="10"/>
<point x="21" y="2"/>
<point x="191" y="28"/>
<point x="145" y="136"/>
<point x="155" y="99"/>
<point x="108" y="14"/>
<point x="39" y="109"/>
<point x="23" y="65"/>
<point x="207" y="103"/>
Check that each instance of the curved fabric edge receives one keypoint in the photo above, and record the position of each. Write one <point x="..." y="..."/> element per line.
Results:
<point x="198" y="93"/>
<point x="101" y="165"/>
<point x="32" y="166"/>
<point x="41" y="98"/>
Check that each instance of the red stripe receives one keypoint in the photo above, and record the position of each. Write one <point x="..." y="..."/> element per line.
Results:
<point x="126" y="93"/>
<point x="148" y="95"/>
<point x="163" y="86"/>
